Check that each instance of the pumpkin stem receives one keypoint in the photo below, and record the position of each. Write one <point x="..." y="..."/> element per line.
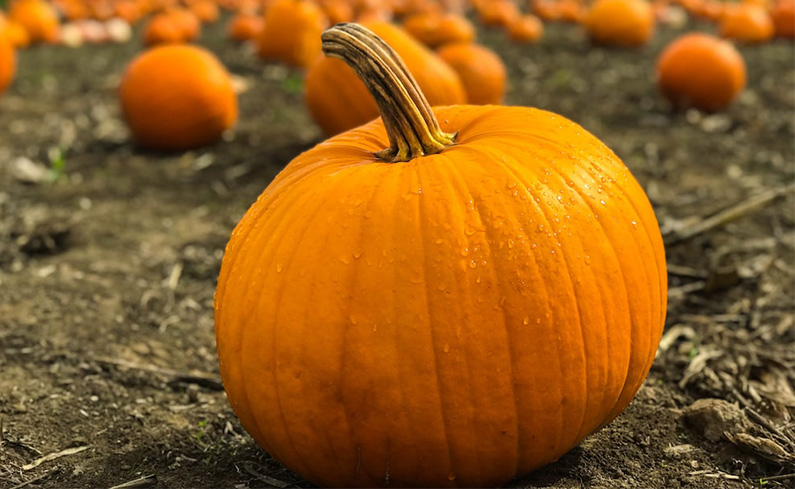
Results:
<point x="410" y="123"/>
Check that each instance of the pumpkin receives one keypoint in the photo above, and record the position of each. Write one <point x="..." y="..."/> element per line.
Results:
<point x="186" y="21"/>
<point x="205" y="10"/>
<point x="436" y="29"/>
<point x="245" y="27"/>
<point x="702" y="71"/>
<point x="176" y="97"/>
<point x="8" y="60"/>
<point x="37" y="17"/>
<point x="291" y="32"/>
<point x="17" y="34"/>
<point x="337" y="11"/>
<point x="747" y="22"/>
<point x="162" y="29"/>
<point x="444" y="297"/>
<point x="338" y="100"/>
<point x="620" y="22"/>
<point x="783" y="15"/>
<point x="480" y="69"/>
<point x="526" y="29"/>
<point x="496" y="13"/>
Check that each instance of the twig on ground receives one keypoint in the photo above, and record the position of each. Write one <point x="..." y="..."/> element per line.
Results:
<point x="53" y="456"/>
<point x="36" y="479"/>
<point x="262" y="477"/>
<point x="205" y="380"/>
<point x="741" y="209"/>
<point x="778" y="477"/>
<point x="145" y="481"/>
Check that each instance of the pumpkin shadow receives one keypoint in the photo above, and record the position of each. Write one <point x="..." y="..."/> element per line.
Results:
<point x="552" y="474"/>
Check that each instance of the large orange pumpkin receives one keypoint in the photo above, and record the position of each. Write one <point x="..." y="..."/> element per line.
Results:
<point x="443" y="297"/>
<point x="338" y="100"/>
<point x="620" y="22"/>
<point x="702" y="71"/>
<point x="480" y="69"/>
<point x="8" y="60"/>
<point x="177" y="97"/>
<point x="37" y="17"/>
<point x="291" y="32"/>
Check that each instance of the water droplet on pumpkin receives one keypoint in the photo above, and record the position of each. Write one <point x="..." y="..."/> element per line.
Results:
<point x="473" y="264"/>
<point x="439" y="241"/>
<point x="446" y="350"/>
<point x="344" y="259"/>
<point x="451" y="476"/>
<point x="634" y="224"/>
<point x="279" y="267"/>
<point x="510" y="243"/>
<point x="352" y="319"/>
<point x="602" y="202"/>
<point x="526" y="320"/>
<point x="587" y="260"/>
<point x="357" y="254"/>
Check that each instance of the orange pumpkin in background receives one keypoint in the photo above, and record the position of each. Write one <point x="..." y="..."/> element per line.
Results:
<point x="480" y="69"/>
<point x="162" y="29"/>
<point x="747" y="22"/>
<point x="620" y="22"/>
<point x="8" y="61"/>
<point x="497" y="13"/>
<point x="205" y="10"/>
<point x="245" y="27"/>
<point x="783" y="15"/>
<point x="436" y="29"/>
<point x="177" y="97"/>
<point x="526" y="29"/>
<point x="701" y="71"/>
<point x="38" y="18"/>
<point x="337" y="11"/>
<point x="17" y="34"/>
<point x="186" y="21"/>
<point x="291" y="32"/>
<point x="446" y="297"/>
<point x="338" y="100"/>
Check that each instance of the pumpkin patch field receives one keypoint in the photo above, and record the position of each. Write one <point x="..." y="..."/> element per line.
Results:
<point x="563" y="257"/>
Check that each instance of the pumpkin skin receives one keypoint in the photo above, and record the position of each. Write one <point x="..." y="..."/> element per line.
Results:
<point x="526" y="29"/>
<point x="748" y="23"/>
<point x="454" y="320"/>
<point x="291" y="32"/>
<point x="702" y="71"/>
<point x="162" y="29"/>
<point x="480" y="69"/>
<point x="339" y="101"/>
<point x="8" y="60"/>
<point x="783" y="15"/>
<point x="620" y="22"/>
<point x="435" y="29"/>
<point x="38" y="18"/>
<point x="177" y="97"/>
<point x="245" y="27"/>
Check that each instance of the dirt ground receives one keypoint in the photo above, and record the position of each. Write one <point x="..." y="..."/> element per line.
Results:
<point x="109" y="256"/>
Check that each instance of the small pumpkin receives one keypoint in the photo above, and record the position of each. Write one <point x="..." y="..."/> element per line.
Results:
<point x="177" y="97"/>
<point x="338" y="100"/>
<point x="291" y="32"/>
<point x="620" y="22"/>
<point x="497" y="13"/>
<point x="162" y="29"/>
<point x="187" y="22"/>
<point x="337" y="11"/>
<point x="783" y="15"/>
<point x="447" y="297"/>
<point x="747" y="22"/>
<point x="526" y="29"/>
<point x="435" y="29"/>
<point x="38" y="18"/>
<point x="245" y="27"/>
<point x="702" y="71"/>
<point x="17" y="34"/>
<point x="8" y="61"/>
<point x="206" y="11"/>
<point x="480" y="69"/>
